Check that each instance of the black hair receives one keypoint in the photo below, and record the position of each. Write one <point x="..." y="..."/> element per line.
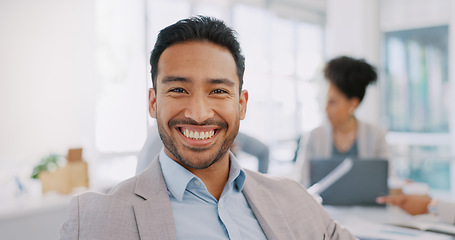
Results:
<point x="198" y="28"/>
<point x="351" y="76"/>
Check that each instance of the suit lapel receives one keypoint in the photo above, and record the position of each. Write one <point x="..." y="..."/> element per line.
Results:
<point x="268" y="214"/>
<point x="154" y="217"/>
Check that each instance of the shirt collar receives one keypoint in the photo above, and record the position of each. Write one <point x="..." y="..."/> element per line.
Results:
<point x="177" y="177"/>
<point x="236" y="173"/>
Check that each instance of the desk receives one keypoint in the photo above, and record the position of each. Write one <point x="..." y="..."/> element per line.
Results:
<point x="33" y="218"/>
<point x="372" y="223"/>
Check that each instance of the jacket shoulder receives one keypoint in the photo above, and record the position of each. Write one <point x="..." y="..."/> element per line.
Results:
<point x="94" y="215"/>
<point x="279" y="186"/>
<point x="301" y="214"/>
<point x="120" y="195"/>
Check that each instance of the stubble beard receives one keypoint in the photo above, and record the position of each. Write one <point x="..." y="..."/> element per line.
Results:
<point x="198" y="164"/>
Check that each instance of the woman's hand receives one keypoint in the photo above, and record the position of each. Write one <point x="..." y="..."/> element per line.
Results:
<point x="412" y="204"/>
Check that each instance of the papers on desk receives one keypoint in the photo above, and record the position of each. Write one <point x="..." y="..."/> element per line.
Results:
<point x="375" y="223"/>
<point x="426" y="223"/>
<point x="367" y="230"/>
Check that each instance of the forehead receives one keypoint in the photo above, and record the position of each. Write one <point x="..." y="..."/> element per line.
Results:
<point x="334" y="91"/>
<point x="197" y="60"/>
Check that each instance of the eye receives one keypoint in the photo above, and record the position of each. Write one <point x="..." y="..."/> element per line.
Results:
<point x="219" y="91"/>
<point x="177" y="90"/>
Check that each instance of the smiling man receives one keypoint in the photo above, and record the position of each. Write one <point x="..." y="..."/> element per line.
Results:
<point x="197" y="103"/>
<point x="195" y="188"/>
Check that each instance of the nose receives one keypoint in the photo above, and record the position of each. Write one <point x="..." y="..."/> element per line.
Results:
<point x="199" y="108"/>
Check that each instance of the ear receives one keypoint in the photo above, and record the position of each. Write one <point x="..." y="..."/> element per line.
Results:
<point x="152" y="103"/>
<point x="243" y="103"/>
<point x="354" y="103"/>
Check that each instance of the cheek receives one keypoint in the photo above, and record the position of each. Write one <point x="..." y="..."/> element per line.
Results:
<point x="165" y="111"/>
<point x="227" y="110"/>
<point x="331" y="109"/>
<point x="335" y="112"/>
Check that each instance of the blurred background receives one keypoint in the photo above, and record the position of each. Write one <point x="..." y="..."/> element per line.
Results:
<point x="75" y="74"/>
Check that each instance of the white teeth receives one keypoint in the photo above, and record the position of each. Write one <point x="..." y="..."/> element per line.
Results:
<point x="198" y="135"/>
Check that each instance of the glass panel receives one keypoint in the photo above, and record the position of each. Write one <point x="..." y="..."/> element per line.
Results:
<point x="213" y="10"/>
<point x="416" y="86"/>
<point x="310" y="48"/>
<point x="310" y="62"/>
<point x="283" y="47"/>
<point x="120" y="116"/>
<point x="280" y="55"/>
<point x="162" y="13"/>
<point x="284" y="108"/>
<point x="312" y="102"/>
<point x="425" y="164"/>
<point x="252" y="25"/>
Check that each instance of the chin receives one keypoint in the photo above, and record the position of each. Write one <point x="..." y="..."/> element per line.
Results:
<point x="197" y="158"/>
<point x="198" y="163"/>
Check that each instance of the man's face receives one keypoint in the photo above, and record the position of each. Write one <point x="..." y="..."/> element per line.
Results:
<point x="197" y="103"/>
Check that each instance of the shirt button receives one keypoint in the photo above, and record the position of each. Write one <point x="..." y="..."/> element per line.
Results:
<point x="197" y="183"/>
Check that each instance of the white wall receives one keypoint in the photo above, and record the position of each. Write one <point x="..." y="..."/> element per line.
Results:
<point x="353" y="29"/>
<point x="408" y="14"/>
<point x="47" y="78"/>
<point x="53" y="83"/>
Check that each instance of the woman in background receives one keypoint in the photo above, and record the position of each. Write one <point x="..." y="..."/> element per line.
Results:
<point x="344" y="135"/>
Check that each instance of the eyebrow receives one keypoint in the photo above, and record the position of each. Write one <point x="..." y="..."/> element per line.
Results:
<point x="214" y="81"/>
<point x="226" y="81"/>
<point x="169" y="79"/>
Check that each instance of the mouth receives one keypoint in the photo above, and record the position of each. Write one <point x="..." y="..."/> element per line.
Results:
<point x="202" y="133"/>
<point x="198" y="135"/>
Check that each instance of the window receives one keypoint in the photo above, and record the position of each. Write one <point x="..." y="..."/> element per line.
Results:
<point x="416" y="86"/>
<point x="121" y="109"/>
<point x="416" y="104"/>
<point x="283" y="58"/>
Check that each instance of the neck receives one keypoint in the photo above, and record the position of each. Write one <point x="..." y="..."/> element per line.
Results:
<point x="347" y="126"/>
<point x="215" y="176"/>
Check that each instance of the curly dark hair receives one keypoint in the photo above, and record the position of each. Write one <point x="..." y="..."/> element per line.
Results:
<point x="351" y="76"/>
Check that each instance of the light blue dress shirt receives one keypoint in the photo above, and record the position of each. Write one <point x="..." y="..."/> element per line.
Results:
<point x="198" y="215"/>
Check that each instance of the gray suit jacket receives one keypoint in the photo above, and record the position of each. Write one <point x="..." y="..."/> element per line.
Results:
<point x="139" y="208"/>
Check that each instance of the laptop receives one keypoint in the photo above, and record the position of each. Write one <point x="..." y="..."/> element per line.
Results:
<point x="366" y="180"/>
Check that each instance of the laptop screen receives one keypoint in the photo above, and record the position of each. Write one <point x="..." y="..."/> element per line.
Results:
<point x="366" y="180"/>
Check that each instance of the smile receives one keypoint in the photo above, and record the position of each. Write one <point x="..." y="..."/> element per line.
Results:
<point x="197" y="135"/>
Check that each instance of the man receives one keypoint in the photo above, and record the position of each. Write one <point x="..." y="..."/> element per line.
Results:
<point x="195" y="188"/>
